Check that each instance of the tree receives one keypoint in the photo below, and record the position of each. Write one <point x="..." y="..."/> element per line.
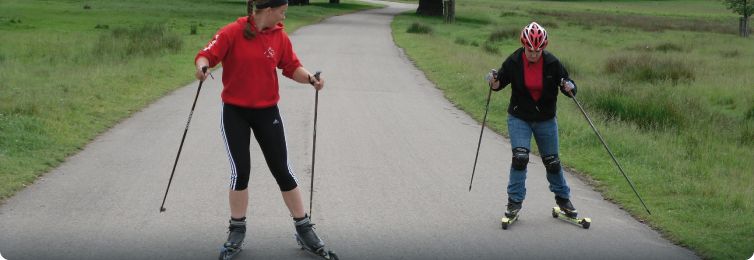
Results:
<point x="431" y="7"/>
<point x="745" y="8"/>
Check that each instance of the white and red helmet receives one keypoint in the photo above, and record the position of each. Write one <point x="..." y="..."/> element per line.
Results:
<point x="534" y="37"/>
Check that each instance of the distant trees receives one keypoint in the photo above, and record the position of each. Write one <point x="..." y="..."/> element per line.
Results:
<point x="745" y="8"/>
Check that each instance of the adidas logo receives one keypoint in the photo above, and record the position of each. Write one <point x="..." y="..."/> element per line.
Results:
<point x="275" y="122"/>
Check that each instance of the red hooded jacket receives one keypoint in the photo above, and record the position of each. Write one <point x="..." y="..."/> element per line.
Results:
<point x="250" y="78"/>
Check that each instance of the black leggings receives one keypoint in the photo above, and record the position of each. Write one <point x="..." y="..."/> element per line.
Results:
<point x="237" y="124"/>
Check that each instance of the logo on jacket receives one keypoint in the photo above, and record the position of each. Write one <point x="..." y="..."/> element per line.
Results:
<point x="212" y="43"/>
<point x="269" y="53"/>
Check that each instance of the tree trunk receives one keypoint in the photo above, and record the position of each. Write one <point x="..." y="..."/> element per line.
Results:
<point x="430" y="7"/>
<point x="335" y="1"/>
<point x="298" y="2"/>
<point x="449" y="11"/>
<point x="743" y="27"/>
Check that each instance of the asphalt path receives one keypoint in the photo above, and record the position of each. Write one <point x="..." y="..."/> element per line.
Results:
<point x="393" y="163"/>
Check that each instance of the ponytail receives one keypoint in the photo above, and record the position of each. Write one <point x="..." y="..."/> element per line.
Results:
<point x="248" y="33"/>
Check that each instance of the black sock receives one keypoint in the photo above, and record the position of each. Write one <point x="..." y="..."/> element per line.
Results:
<point x="238" y="219"/>
<point x="300" y="219"/>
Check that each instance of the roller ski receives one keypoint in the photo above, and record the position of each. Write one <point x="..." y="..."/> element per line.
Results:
<point x="511" y="213"/>
<point x="236" y="234"/>
<point x="566" y="212"/>
<point x="309" y="241"/>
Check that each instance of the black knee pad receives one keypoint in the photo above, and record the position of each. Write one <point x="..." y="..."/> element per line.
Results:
<point x="520" y="158"/>
<point x="552" y="163"/>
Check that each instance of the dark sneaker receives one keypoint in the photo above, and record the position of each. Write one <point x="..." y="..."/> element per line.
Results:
<point x="512" y="208"/>
<point x="566" y="206"/>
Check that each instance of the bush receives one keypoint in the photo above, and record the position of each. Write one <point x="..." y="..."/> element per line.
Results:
<point x="666" y="47"/>
<point x="419" y="28"/>
<point x="490" y="48"/>
<point x="503" y="34"/>
<point x="461" y="41"/>
<point x="750" y="113"/>
<point x="731" y="54"/>
<point x="648" y="109"/>
<point x="663" y="47"/>
<point x="646" y="68"/>
<point x="148" y="39"/>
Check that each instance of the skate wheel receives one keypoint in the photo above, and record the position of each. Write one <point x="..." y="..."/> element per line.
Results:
<point x="555" y="211"/>
<point x="586" y="222"/>
<point x="505" y="222"/>
<point x="332" y="256"/>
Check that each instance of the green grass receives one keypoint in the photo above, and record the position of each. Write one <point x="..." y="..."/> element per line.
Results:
<point x="673" y="102"/>
<point x="71" y="70"/>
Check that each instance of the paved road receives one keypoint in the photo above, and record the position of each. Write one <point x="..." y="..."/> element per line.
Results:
<point x="393" y="163"/>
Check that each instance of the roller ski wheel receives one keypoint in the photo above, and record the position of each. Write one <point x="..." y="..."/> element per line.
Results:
<point x="321" y="252"/>
<point x="562" y="215"/>
<point x="508" y="221"/>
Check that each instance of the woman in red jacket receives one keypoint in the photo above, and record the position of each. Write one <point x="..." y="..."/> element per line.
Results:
<point x="535" y="75"/>
<point x="251" y="49"/>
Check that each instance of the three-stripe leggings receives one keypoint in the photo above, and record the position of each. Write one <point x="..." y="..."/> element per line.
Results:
<point x="237" y="124"/>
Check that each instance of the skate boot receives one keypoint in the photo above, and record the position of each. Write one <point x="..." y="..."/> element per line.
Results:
<point x="511" y="213"/>
<point x="308" y="239"/>
<point x="566" y="206"/>
<point x="236" y="234"/>
<point x="513" y="208"/>
<point x="565" y="211"/>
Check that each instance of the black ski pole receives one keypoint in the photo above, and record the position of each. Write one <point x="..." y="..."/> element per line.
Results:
<point x="484" y="120"/>
<point x="608" y="150"/>
<point x="162" y="207"/>
<point x="314" y="144"/>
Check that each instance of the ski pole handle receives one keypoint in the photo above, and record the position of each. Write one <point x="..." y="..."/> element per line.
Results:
<point x="316" y="76"/>
<point x="491" y="75"/>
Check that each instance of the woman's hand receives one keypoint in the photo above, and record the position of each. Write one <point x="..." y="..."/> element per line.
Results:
<point x="317" y="81"/>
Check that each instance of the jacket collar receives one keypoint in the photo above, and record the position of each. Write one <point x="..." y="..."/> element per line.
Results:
<point x="546" y="55"/>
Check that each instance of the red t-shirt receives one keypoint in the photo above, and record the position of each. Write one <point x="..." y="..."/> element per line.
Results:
<point x="533" y="77"/>
<point x="250" y="77"/>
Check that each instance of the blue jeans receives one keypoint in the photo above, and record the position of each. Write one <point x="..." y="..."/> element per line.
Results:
<point x="546" y="135"/>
